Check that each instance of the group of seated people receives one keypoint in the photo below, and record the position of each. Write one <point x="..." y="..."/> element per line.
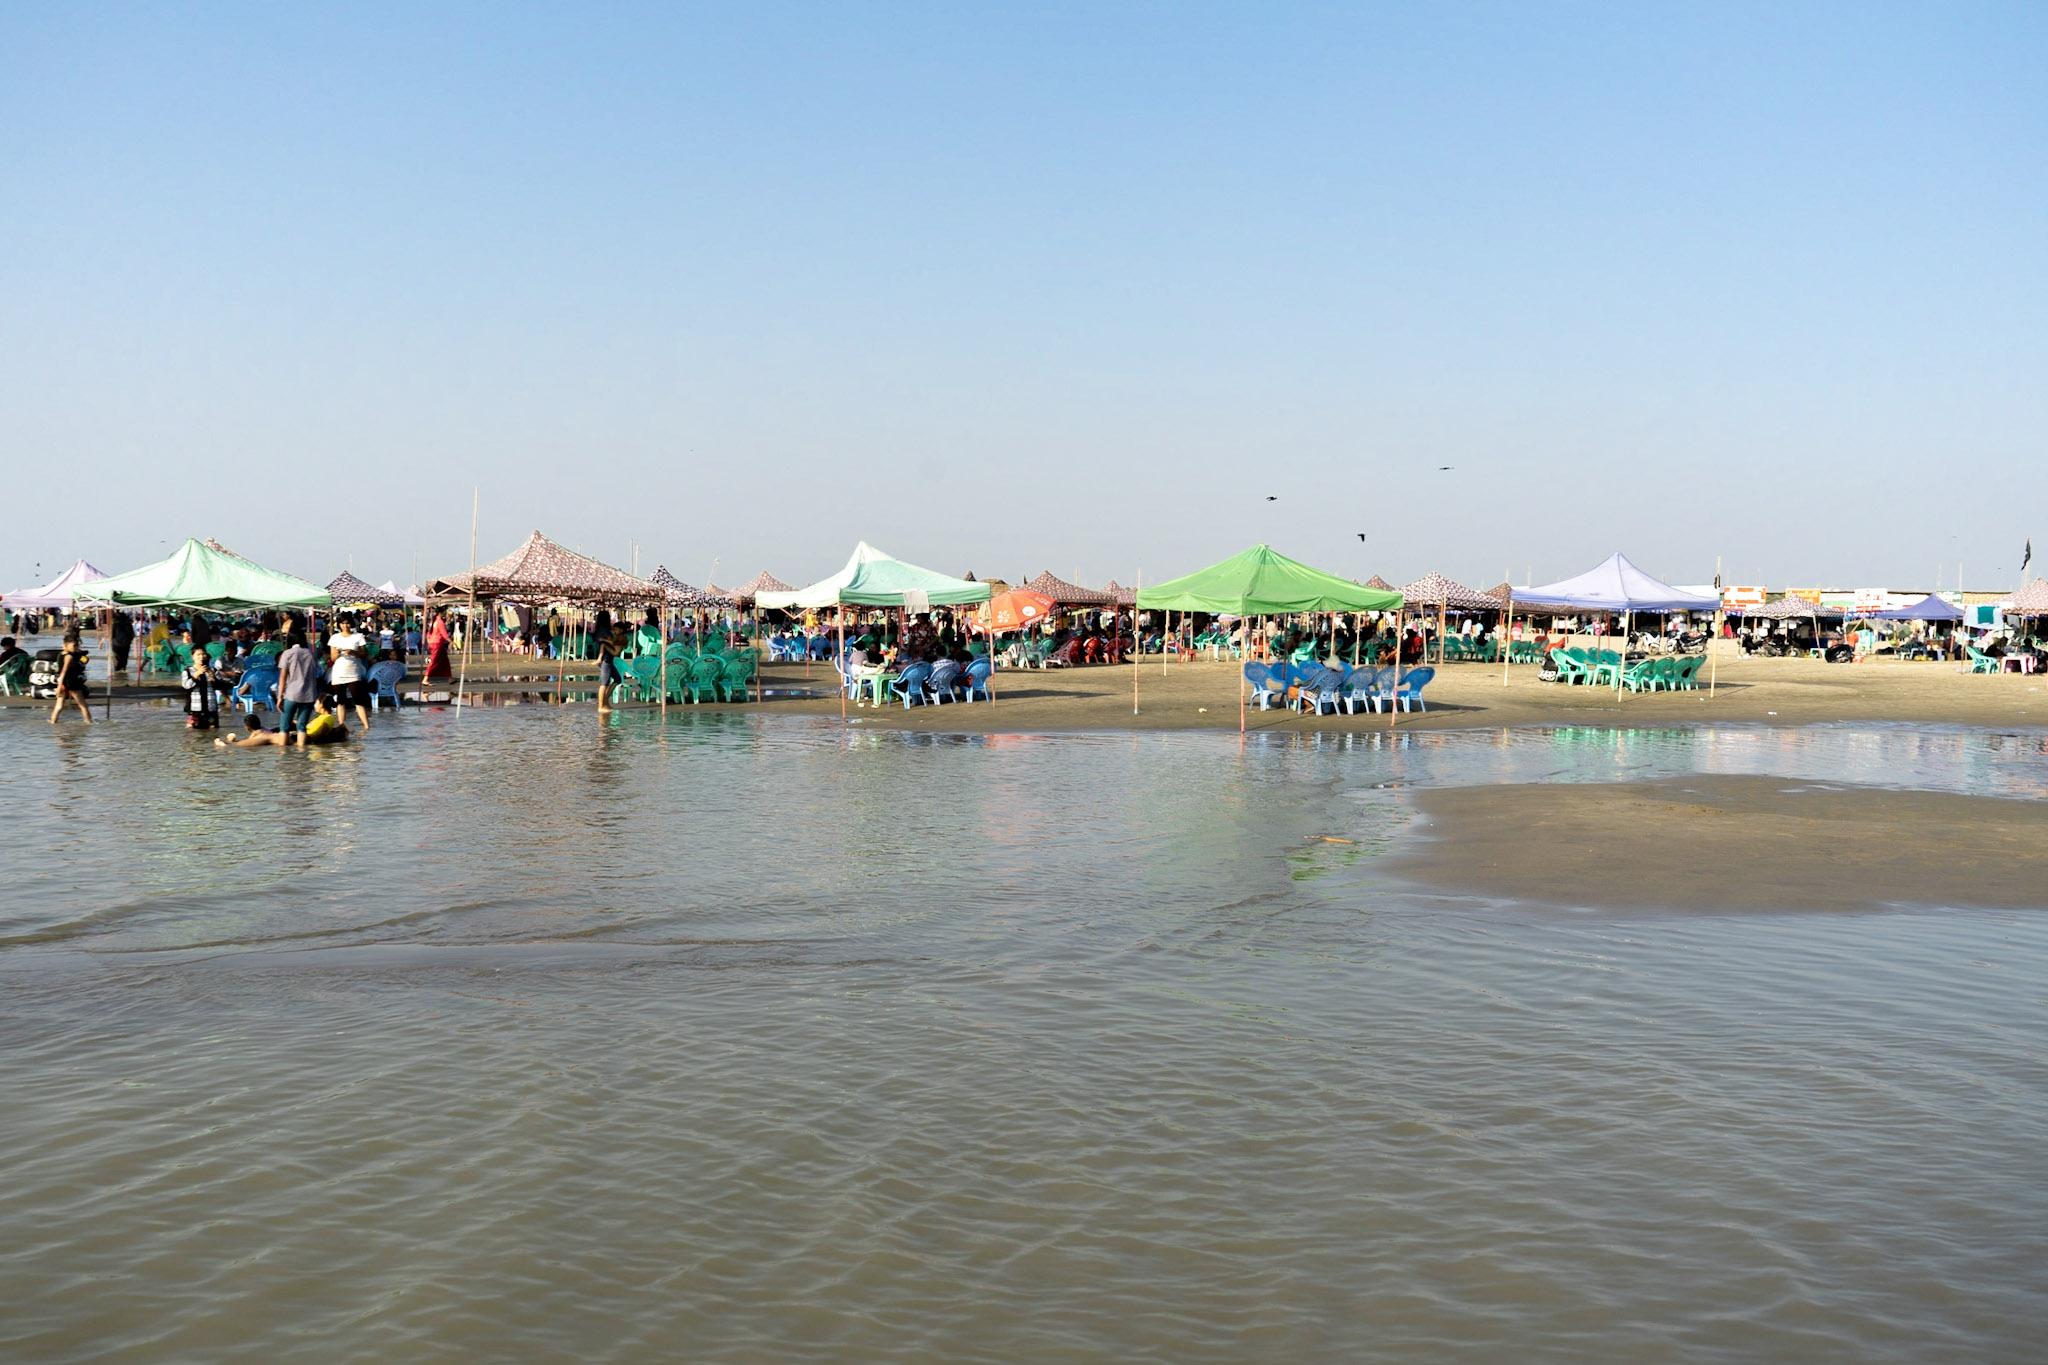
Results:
<point x="1067" y="646"/>
<point x="933" y="673"/>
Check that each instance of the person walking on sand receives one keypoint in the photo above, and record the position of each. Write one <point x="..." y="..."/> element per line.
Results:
<point x="71" y="678"/>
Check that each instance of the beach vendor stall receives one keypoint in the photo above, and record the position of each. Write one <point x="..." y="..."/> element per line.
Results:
<point x="1259" y="582"/>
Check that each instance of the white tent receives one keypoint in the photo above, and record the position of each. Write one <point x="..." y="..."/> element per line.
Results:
<point x="54" y="595"/>
<point x="874" y="579"/>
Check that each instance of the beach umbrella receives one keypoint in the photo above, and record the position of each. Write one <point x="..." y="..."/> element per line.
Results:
<point x="1015" y="610"/>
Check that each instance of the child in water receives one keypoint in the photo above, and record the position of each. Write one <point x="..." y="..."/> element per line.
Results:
<point x="324" y="728"/>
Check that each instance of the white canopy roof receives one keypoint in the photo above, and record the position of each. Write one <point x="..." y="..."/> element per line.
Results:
<point x="874" y="579"/>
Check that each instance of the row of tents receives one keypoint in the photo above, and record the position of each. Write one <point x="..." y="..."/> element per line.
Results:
<point x="204" y="575"/>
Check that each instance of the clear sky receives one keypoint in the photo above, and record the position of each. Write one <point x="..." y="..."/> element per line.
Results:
<point x="1005" y="288"/>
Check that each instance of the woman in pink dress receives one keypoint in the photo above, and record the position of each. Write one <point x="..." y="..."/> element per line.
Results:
<point x="438" y="636"/>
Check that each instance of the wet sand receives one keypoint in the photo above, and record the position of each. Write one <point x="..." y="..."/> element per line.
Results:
<point x="1204" y="695"/>
<point x="1731" y="843"/>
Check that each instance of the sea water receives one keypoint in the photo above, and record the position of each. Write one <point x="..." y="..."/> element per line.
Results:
<point x="523" y="1034"/>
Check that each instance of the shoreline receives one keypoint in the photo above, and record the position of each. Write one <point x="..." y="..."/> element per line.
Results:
<point x="1204" y="696"/>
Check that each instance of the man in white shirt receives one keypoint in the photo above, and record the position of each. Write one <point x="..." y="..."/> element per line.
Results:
<point x="347" y="680"/>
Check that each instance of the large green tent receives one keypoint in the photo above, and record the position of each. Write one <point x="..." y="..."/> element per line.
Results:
<point x="202" y="578"/>
<point x="1263" y="582"/>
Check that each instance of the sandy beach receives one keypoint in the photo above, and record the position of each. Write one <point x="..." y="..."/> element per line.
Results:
<point x="1204" y="695"/>
<point x="1710" y="842"/>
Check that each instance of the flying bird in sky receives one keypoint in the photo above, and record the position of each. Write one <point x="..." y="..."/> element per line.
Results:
<point x="1361" y="535"/>
<point x="1442" y="467"/>
<point x="1271" y="497"/>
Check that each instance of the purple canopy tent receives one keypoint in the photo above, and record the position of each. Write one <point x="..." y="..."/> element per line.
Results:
<point x="1618" y="588"/>
<point x="1928" y="608"/>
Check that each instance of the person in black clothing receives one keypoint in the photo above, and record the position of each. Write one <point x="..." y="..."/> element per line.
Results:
<point x="123" y="639"/>
<point x="608" y="675"/>
<point x="71" y="678"/>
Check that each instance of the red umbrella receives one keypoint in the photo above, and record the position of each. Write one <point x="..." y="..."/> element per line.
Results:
<point x="1015" y="609"/>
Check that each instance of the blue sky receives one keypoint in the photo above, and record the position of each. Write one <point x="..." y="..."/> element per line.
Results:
<point x="1011" y="288"/>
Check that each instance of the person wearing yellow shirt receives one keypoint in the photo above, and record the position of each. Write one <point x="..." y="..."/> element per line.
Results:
<point x="324" y="728"/>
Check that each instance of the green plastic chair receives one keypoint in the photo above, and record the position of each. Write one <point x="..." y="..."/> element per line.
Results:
<point x="1980" y="662"/>
<point x="14" y="678"/>
<point x="738" y="676"/>
<point x="706" y="673"/>
<point x="645" y="673"/>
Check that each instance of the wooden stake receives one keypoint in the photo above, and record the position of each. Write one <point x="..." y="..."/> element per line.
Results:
<point x="469" y="625"/>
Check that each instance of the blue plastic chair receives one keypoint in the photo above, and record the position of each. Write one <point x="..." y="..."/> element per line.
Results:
<point x="1365" y="687"/>
<point x="910" y="686"/>
<point x="975" y="680"/>
<point x="254" y="689"/>
<point x="1318" y="686"/>
<point x="1412" y="683"/>
<point x="385" y="675"/>
<point x="1267" y="683"/>
<point x="945" y="677"/>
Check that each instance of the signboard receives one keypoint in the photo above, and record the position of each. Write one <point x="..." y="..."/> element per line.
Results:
<point x="1732" y="597"/>
<point x="1870" y="599"/>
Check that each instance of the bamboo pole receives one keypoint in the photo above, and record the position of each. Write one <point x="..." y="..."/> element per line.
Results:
<point x="1394" y="696"/>
<point x="1621" y="655"/>
<point x="1507" y="638"/>
<point x="841" y="665"/>
<point x="469" y="625"/>
<point x="1137" y="639"/>
<point x="107" y="708"/>
<point x="664" y="652"/>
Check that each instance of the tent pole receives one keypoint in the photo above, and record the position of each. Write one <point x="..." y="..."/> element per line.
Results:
<point x="664" y="652"/>
<point x="469" y="626"/>
<point x="842" y="661"/>
<point x="754" y="646"/>
<point x="1137" y="639"/>
<point x="1621" y="655"/>
<point x="1713" y="635"/>
<point x="108" y="619"/>
<point x="1507" y="638"/>
<point x="1393" y="699"/>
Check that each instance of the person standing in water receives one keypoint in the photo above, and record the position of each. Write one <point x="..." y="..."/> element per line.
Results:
<point x="438" y="637"/>
<point x="346" y="681"/>
<point x="71" y="678"/>
<point x="298" y="683"/>
<point x="121" y="634"/>
<point x="608" y="676"/>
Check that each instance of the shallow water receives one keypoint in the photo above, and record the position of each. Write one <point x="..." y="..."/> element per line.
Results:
<point x="743" y="1038"/>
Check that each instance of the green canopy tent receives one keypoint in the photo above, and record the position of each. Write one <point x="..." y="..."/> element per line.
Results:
<point x="200" y="576"/>
<point x="1263" y="582"/>
<point x="874" y="579"/>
